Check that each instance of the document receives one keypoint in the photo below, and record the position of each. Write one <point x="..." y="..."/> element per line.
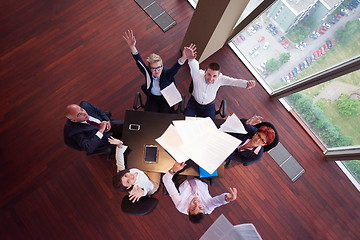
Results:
<point x="210" y="149"/>
<point x="190" y="129"/>
<point x="199" y="140"/>
<point x="233" y="124"/>
<point x="170" y="141"/>
<point x="171" y="94"/>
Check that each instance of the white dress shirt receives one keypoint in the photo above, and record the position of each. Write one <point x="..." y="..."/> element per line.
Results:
<point x="155" y="90"/>
<point x="182" y="200"/>
<point x="142" y="180"/>
<point x="206" y="93"/>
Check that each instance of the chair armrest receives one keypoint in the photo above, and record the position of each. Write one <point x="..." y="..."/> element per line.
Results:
<point x="222" y="109"/>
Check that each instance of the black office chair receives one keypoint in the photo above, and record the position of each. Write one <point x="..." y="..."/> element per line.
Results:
<point x="144" y="206"/>
<point x="222" y="109"/>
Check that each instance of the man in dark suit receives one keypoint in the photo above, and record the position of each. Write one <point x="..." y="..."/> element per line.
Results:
<point x="88" y="127"/>
<point x="157" y="77"/>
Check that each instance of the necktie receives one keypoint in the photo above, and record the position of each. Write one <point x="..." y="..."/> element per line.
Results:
<point x="93" y="123"/>
<point x="192" y="183"/>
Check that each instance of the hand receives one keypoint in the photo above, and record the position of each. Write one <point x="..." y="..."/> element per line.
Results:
<point x="190" y="51"/>
<point x="102" y="126"/>
<point x="115" y="141"/>
<point x="108" y="126"/>
<point x="250" y="84"/>
<point x="232" y="196"/>
<point x="254" y="120"/>
<point x="131" y="41"/>
<point x="136" y="193"/>
<point x="178" y="166"/>
<point x="130" y="38"/>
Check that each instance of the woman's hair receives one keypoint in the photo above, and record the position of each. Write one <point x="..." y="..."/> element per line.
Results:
<point x="117" y="183"/>
<point x="196" y="218"/>
<point x="272" y="136"/>
<point x="154" y="58"/>
<point x="269" y="133"/>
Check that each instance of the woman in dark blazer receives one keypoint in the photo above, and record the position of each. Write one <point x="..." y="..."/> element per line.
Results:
<point x="157" y="77"/>
<point x="260" y="138"/>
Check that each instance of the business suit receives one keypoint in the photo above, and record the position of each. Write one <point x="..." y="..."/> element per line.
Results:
<point x="82" y="136"/>
<point x="156" y="103"/>
<point x="246" y="156"/>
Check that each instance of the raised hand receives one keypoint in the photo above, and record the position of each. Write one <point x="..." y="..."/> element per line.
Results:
<point x="178" y="166"/>
<point x="115" y="141"/>
<point x="130" y="40"/>
<point x="250" y="84"/>
<point x="136" y="193"/>
<point x="232" y="196"/>
<point x="254" y="120"/>
<point x="190" y="51"/>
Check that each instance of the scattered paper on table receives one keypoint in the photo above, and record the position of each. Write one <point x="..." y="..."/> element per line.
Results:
<point x="170" y="141"/>
<point x="209" y="150"/>
<point x="199" y="140"/>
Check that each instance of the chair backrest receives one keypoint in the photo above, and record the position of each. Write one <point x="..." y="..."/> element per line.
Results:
<point x="138" y="103"/>
<point x="144" y="206"/>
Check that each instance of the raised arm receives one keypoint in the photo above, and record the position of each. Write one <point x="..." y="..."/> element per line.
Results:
<point x="190" y="51"/>
<point x="131" y="41"/>
<point x="169" y="184"/>
<point x="119" y="155"/>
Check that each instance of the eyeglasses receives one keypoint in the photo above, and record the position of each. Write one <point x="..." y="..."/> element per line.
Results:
<point x="262" y="139"/>
<point x="156" y="68"/>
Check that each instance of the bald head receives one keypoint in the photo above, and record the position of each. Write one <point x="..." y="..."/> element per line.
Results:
<point x="75" y="113"/>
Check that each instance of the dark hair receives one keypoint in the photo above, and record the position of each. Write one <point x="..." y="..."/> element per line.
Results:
<point x="213" y="66"/>
<point x="196" y="218"/>
<point x="116" y="181"/>
<point x="276" y="138"/>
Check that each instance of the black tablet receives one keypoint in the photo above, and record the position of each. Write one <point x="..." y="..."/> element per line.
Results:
<point x="151" y="153"/>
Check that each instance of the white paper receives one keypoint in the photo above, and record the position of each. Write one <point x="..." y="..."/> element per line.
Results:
<point x="170" y="141"/>
<point x="190" y="129"/>
<point x="209" y="150"/>
<point x="233" y="124"/>
<point x="171" y="94"/>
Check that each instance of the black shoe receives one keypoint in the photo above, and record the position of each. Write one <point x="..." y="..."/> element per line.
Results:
<point x="227" y="163"/>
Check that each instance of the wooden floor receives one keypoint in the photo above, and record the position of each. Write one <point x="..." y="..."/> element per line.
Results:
<point x="58" y="52"/>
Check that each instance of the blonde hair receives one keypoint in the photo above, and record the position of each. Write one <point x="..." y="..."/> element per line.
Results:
<point x="153" y="58"/>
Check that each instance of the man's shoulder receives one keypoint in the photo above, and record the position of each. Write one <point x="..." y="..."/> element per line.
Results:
<point x="84" y="104"/>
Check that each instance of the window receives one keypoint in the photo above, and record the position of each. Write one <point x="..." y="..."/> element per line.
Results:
<point x="300" y="40"/>
<point x="303" y="38"/>
<point x="308" y="54"/>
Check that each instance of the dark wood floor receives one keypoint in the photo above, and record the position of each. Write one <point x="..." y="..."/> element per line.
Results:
<point x="58" y="52"/>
